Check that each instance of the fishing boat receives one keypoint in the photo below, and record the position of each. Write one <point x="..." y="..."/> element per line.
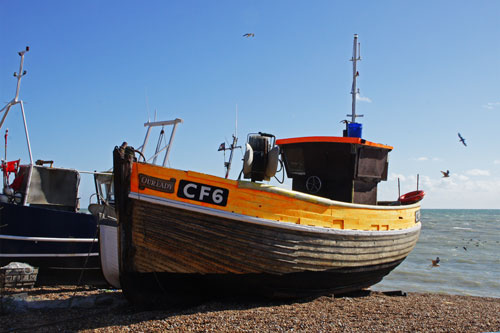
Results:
<point x="40" y="218"/>
<point x="184" y="234"/>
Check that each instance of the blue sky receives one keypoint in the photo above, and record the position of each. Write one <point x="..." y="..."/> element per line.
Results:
<point x="96" y="69"/>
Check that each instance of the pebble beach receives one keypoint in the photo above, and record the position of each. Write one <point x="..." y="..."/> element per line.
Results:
<point x="90" y="309"/>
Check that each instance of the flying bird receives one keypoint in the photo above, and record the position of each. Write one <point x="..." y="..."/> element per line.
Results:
<point x="462" y="139"/>
<point x="249" y="35"/>
<point x="446" y="174"/>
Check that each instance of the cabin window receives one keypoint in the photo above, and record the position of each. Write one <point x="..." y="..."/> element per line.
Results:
<point x="372" y="163"/>
<point x="295" y="160"/>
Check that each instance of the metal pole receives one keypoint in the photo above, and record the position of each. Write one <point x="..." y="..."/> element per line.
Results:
<point x="98" y="193"/>
<point x="7" y="109"/>
<point x="233" y="146"/>
<point x="31" y="157"/>
<point x="5" y="180"/>
<point x="18" y="87"/>
<point x="399" y="190"/>
<point x="354" y="91"/>
<point x="6" y="134"/>
<point x="19" y="75"/>
<point x="170" y="143"/>
<point x="145" y="140"/>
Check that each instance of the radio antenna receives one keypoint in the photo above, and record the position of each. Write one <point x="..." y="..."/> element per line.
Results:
<point x="232" y="147"/>
<point x="356" y="56"/>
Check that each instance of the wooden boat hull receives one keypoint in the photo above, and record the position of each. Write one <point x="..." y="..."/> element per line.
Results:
<point x="169" y="239"/>
<point x="193" y="250"/>
<point x="198" y="246"/>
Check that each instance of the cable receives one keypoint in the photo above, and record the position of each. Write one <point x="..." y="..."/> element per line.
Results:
<point x="281" y="169"/>
<point x="138" y="152"/>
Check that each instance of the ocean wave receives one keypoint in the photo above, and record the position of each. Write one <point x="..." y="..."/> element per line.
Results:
<point x="461" y="228"/>
<point x="467" y="243"/>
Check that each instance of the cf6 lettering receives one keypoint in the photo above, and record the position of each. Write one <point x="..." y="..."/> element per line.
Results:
<point x="202" y="192"/>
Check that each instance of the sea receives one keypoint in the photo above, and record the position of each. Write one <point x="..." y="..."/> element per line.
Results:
<point x="467" y="242"/>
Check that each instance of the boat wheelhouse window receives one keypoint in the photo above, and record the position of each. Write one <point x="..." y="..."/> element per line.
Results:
<point x="105" y="188"/>
<point x="372" y="163"/>
<point x="294" y="160"/>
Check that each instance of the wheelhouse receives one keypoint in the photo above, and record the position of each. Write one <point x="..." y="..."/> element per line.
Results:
<point x="345" y="169"/>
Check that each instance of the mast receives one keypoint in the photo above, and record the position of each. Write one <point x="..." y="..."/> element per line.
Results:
<point x="6" y="110"/>
<point x="356" y="56"/>
<point x="228" y="164"/>
<point x="233" y="146"/>
<point x="19" y="75"/>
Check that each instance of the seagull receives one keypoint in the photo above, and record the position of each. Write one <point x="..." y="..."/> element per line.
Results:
<point x="446" y="174"/>
<point x="435" y="262"/>
<point x="462" y="139"/>
<point x="249" y="35"/>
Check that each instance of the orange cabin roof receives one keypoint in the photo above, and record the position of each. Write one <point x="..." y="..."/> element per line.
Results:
<point x="336" y="139"/>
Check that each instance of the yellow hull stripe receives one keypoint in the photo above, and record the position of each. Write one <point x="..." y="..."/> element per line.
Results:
<point x="272" y="203"/>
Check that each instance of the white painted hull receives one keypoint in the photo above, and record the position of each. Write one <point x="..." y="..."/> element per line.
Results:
<point x="109" y="254"/>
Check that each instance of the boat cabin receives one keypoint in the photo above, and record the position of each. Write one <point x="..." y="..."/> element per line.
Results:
<point x="54" y="188"/>
<point x="345" y="169"/>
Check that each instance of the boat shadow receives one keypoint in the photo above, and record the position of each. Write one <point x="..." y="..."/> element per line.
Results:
<point x="109" y="308"/>
<point x="129" y="314"/>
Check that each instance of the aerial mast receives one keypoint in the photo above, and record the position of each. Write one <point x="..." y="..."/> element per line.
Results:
<point x="228" y="164"/>
<point x="233" y="146"/>
<point x="356" y="56"/>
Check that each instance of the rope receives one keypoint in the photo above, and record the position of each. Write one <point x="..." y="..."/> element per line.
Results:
<point x="85" y="263"/>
